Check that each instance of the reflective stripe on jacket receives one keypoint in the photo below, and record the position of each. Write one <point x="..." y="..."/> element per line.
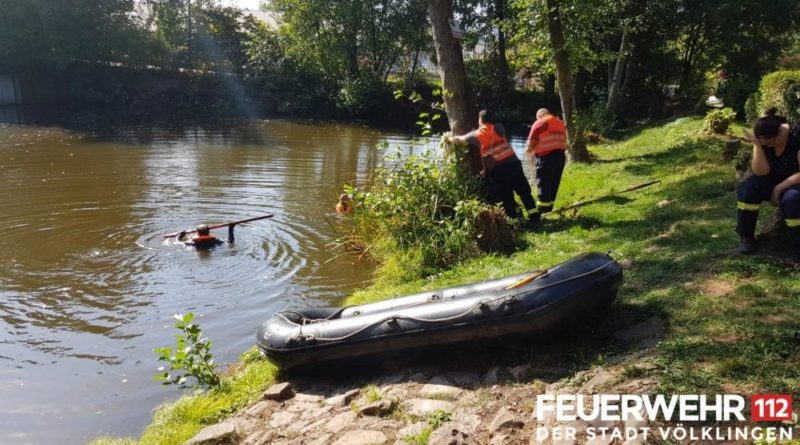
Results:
<point x="492" y="144"/>
<point x="553" y="138"/>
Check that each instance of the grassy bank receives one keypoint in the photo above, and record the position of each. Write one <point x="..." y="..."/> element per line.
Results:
<point x="731" y="320"/>
<point x="175" y="423"/>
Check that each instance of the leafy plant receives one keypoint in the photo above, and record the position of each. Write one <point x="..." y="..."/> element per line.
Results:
<point x="191" y="358"/>
<point x="425" y="211"/>
<point x="439" y="417"/>
<point x="593" y="122"/>
<point x="363" y="95"/>
<point x="780" y="89"/>
<point x="435" y="420"/>
<point x="718" y="121"/>
<point x="372" y="393"/>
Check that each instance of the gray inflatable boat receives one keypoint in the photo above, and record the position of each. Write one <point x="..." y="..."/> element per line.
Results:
<point x="515" y="306"/>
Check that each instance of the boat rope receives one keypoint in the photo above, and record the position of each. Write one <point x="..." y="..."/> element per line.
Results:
<point x="307" y="320"/>
<point x="306" y="338"/>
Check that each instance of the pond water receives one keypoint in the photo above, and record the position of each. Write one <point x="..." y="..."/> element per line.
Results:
<point x="88" y="284"/>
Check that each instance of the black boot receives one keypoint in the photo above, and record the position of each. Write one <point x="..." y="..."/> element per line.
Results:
<point x="794" y="244"/>
<point x="534" y="221"/>
<point x="747" y="245"/>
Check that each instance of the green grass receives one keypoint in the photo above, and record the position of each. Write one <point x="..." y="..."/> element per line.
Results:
<point x="435" y="420"/>
<point x="177" y="422"/>
<point x="679" y="236"/>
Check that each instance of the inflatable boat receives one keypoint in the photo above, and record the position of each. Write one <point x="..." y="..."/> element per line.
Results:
<point x="514" y="306"/>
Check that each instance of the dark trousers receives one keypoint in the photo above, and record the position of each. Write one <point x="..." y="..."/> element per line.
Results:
<point x="505" y="180"/>
<point x="755" y="190"/>
<point x="548" y="177"/>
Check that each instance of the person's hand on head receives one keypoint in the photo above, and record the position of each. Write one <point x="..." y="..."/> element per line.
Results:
<point x="750" y="137"/>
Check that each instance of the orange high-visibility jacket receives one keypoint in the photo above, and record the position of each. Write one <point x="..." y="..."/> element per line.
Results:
<point x="550" y="134"/>
<point x="492" y="144"/>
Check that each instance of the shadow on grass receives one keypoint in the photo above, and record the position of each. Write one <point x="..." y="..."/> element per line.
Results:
<point x="677" y="157"/>
<point x="738" y="340"/>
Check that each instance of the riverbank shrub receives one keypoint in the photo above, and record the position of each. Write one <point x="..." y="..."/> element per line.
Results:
<point x="593" y="122"/>
<point x="424" y="212"/>
<point x="780" y="89"/>
<point x="364" y="96"/>
<point x="191" y="358"/>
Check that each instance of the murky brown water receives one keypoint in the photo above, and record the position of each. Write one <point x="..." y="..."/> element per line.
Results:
<point x="88" y="286"/>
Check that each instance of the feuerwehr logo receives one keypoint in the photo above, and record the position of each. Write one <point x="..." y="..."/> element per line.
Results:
<point x="674" y="417"/>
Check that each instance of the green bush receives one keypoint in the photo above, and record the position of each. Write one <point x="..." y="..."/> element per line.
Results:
<point x="717" y="121"/>
<point x="425" y="213"/>
<point x="780" y="89"/>
<point x="191" y="358"/>
<point x="486" y="80"/>
<point x="363" y="96"/>
<point x="593" y="122"/>
<point x="751" y="112"/>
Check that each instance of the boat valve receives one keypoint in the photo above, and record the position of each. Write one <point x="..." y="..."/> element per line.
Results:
<point x="393" y="323"/>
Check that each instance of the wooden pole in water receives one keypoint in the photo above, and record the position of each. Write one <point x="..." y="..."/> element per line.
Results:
<point x="217" y="226"/>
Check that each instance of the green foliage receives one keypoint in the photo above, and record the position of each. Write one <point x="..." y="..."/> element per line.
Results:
<point x="717" y="121"/>
<point x="425" y="212"/>
<point x="344" y="39"/>
<point x="593" y="122"/>
<point x="435" y="420"/>
<point x="486" y="79"/>
<point x="191" y="358"/>
<point x="372" y="393"/>
<point x="364" y="95"/>
<point x="751" y="106"/>
<point x="439" y="417"/>
<point x="175" y="423"/>
<point x="202" y="34"/>
<point x="780" y="89"/>
<point x="53" y="34"/>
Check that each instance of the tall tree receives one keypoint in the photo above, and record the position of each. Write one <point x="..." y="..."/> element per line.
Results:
<point x="461" y="112"/>
<point x="55" y="34"/>
<point x="347" y="38"/>
<point x="578" y="149"/>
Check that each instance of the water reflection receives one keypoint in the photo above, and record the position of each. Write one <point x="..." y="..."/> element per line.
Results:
<point x="88" y="284"/>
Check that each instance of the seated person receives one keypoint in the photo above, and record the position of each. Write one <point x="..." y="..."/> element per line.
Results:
<point x="204" y="239"/>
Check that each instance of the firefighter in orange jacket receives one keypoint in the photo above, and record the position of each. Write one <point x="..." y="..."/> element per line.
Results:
<point x="547" y="143"/>
<point x="501" y="165"/>
<point x="204" y="238"/>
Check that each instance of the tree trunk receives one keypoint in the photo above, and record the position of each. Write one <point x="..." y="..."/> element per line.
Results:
<point x="614" y="90"/>
<point x="414" y="64"/>
<point x="500" y="8"/>
<point x="550" y="88"/>
<point x="461" y="112"/>
<point x="630" y="74"/>
<point x="609" y="65"/>
<point x="578" y="150"/>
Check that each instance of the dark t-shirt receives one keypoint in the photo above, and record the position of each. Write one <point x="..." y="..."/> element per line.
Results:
<point x="787" y="163"/>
